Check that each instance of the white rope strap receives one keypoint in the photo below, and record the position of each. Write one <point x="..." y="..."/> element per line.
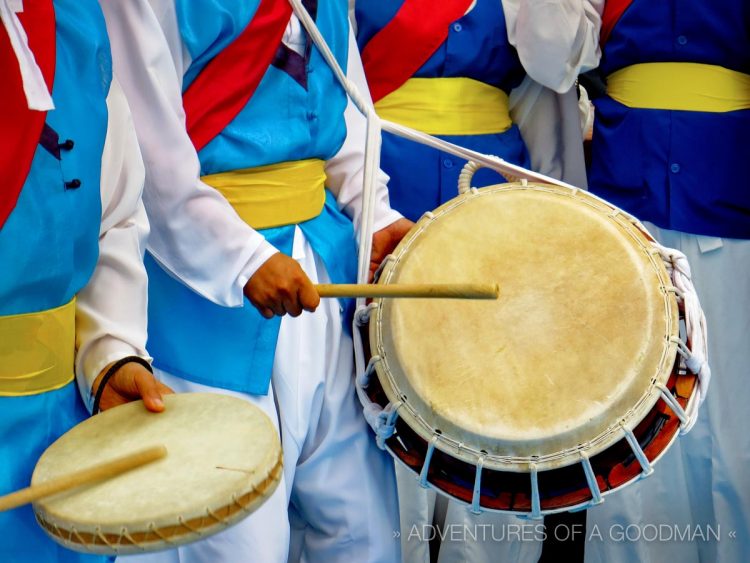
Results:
<point x="34" y="86"/>
<point x="696" y="356"/>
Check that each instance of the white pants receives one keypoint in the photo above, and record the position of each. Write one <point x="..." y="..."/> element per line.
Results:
<point x="701" y="486"/>
<point x="465" y="537"/>
<point x="337" y="498"/>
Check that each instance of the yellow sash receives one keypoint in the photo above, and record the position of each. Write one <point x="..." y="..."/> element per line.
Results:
<point x="278" y="194"/>
<point x="680" y="86"/>
<point x="447" y="106"/>
<point x="37" y="351"/>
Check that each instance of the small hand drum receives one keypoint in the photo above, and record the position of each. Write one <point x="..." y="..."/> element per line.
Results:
<point x="568" y="387"/>
<point x="223" y="460"/>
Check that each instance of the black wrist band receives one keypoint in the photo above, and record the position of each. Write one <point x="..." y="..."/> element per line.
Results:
<point x="111" y="371"/>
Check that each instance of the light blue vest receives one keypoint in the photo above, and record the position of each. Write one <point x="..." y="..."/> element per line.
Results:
<point x="234" y="348"/>
<point x="48" y="248"/>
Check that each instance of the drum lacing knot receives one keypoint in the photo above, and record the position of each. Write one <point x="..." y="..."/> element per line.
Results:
<point x="362" y="315"/>
<point x="386" y="423"/>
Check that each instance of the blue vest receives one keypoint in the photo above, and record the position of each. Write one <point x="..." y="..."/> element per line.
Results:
<point x="49" y="247"/>
<point x="290" y="117"/>
<point x="477" y="47"/>
<point x="681" y="170"/>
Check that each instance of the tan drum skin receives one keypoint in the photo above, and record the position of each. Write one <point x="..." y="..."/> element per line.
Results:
<point x="571" y="352"/>
<point x="223" y="460"/>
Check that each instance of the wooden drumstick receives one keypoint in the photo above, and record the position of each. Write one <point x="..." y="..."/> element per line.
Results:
<point x="100" y="472"/>
<point x="432" y="291"/>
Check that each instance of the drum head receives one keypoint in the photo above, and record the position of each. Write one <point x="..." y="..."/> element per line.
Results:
<point x="223" y="460"/>
<point x="572" y="350"/>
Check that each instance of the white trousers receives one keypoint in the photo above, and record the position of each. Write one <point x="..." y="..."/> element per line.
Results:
<point x="337" y="498"/>
<point x="464" y="537"/>
<point x="700" y="489"/>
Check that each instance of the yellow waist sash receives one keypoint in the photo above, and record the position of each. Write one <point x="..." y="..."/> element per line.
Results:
<point x="680" y="86"/>
<point x="447" y="106"/>
<point x="37" y="351"/>
<point x="278" y="194"/>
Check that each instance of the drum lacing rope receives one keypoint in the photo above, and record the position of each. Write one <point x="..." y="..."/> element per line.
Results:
<point x="157" y="532"/>
<point x="426" y="465"/>
<point x="81" y="541"/>
<point x="671" y="400"/>
<point x="596" y="494"/>
<point x="124" y="532"/>
<point x="215" y="518"/>
<point x="476" y="495"/>
<point x="188" y="527"/>
<point x="696" y="355"/>
<point x="104" y="539"/>
<point x="386" y="423"/>
<point x="536" y="503"/>
<point x="646" y="468"/>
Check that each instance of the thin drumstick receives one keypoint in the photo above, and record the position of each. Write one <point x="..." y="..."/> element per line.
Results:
<point x="99" y="472"/>
<point x="430" y="291"/>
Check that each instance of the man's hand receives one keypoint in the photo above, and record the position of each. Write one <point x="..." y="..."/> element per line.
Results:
<point x="385" y="240"/>
<point x="280" y="286"/>
<point x="130" y="383"/>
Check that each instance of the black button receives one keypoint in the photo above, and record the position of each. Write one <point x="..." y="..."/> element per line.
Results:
<point x="67" y="145"/>
<point x="73" y="184"/>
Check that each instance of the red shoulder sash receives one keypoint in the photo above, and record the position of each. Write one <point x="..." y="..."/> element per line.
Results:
<point x="229" y="80"/>
<point x="613" y="11"/>
<point x="20" y="127"/>
<point x="398" y="50"/>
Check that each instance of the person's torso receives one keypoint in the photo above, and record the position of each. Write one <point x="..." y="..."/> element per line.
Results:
<point x="297" y="110"/>
<point x="49" y="243"/>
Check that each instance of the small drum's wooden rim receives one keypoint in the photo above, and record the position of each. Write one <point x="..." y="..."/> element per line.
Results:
<point x="109" y="540"/>
<point x="224" y="458"/>
<point x="457" y="445"/>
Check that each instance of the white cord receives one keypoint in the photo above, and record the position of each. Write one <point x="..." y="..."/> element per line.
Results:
<point x="37" y="94"/>
<point x="695" y="323"/>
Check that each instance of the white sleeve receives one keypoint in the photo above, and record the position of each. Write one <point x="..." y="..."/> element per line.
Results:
<point x="556" y="40"/>
<point x="346" y="169"/>
<point x="195" y="233"/>
<point x="111" y="310"/>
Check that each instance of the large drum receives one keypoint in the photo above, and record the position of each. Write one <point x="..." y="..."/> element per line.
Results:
<point x="568" y="387"/>
<point x="223" y="460"/>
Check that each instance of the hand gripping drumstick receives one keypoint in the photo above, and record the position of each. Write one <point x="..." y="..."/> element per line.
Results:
<point x="433" y="291"/>
<point x="99" y="472"/>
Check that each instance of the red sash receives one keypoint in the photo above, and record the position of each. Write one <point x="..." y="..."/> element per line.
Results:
<point x="229" y="80"/>
<point x="398" y="50"/>
<point x="20" y="127"/>
<point x="613" y="11"/>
